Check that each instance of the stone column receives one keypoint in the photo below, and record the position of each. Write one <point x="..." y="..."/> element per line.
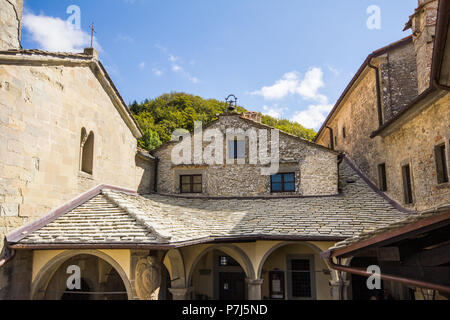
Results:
<point x="180" y="293"/>
<point x="337" y="287"/>
<point x="254" y="289"/>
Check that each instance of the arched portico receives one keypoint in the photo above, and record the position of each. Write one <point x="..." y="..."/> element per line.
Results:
<point x="218" y="279"/>
<point x="294" y="270"/>
<point x="46" y="274"/>
<point x="174" y="262"/>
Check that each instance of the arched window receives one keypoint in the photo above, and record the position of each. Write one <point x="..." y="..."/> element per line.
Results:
<point x="87" y="151"/>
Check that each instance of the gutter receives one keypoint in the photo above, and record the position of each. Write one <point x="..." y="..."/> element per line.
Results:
<point x="389" y="277"/>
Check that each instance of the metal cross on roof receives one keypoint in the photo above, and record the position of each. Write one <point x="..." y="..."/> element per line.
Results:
<point x="92" y="34"/>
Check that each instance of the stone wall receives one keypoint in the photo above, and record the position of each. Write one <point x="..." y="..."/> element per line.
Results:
<point x="10" y="23"/>
<point x="424" y="30"/>
<point x="414" y="143"/>
<point x="315" y="167"/>
<point x="42" y="113"/>
<point x="358" y="114"/>
<point x="398" y="73"/>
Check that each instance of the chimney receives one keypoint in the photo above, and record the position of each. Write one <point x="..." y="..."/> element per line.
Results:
<point x="10" y="24"/>
<point x="252" y="115"/>
<point x="423" y="26"/>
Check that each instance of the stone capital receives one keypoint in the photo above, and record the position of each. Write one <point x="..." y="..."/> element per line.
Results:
<point x="180" y="293"/>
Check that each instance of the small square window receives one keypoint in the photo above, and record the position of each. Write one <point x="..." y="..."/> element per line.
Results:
<point x="283" y="182"/>
<point x="191" y="184"/>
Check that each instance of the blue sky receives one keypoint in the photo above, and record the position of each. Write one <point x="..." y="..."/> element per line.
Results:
<point x="287" y="58"/>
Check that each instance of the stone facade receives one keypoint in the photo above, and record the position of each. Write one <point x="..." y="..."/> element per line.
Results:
<point x="42" y="112"/>
<point x="398" y="73"/>
<point x="404" y="73"/>
<point x="423" y="25"/>
<point x="315" y="167"/>
<point x="10" y="23"/>
<point x="414" y="143"/>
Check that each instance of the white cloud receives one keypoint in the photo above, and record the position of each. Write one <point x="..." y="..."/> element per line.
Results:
<point x="176" y="68"/>
<point x="157" y="72"/>
<point x="291" y="84"/>
<point x="124" y="38"/>
<point x="142" y="65"/>
<point x="314" y="116"/>
<point x="307" y="88"/>
<point x="54" y="34"/>
<point x="274" y="112"/>
<point x="176" y="64"/>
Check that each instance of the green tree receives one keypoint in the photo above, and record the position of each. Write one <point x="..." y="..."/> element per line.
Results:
<point x="159" y="117"/>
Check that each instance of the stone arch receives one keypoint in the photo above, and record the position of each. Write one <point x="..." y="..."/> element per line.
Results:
<point x="281" y="245"/>
<point x="233" y="251"/>
<point x="174" y="262"/>
<point x="46" y="273"/>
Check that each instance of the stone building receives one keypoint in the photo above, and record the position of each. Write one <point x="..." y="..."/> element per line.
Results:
<point x="386" y="119"/>
<point x="234" y="210"/>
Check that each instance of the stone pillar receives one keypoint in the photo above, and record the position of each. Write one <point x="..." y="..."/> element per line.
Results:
<point x="180" y="293"/>
<point x="337" y="287"/>
<point x="254" y="289"/>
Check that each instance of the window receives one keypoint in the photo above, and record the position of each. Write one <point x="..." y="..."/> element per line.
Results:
<point x="87" y="152"/>
<point x="191" y="184"/>
<point x="344" y="133"/>
<point x="336" y="141"/>
<point x="407" y="187"/>
<point x="236" y="148"/>
<point x="283" y="182"/>
<point x="301" y="277"/>
<point x="227" y="261"/>
<point x="382" y="177"/>
<point x="441" y="164"/>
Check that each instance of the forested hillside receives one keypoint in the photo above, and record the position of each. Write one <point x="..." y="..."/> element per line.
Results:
<point x="159" y="117"/>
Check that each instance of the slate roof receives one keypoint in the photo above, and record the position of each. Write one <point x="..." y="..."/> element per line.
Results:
<point x="411" y="219"/>
<point x="113" y="217"/>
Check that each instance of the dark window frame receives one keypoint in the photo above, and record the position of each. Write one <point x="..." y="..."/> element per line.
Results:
<point x="283" y="187"/>
<point x="312" y="277"/>
<point x="382" y="177"/>
<point x="191" y="183"/>
<point x="407" y="184"/>
<point x="440" y="154"/>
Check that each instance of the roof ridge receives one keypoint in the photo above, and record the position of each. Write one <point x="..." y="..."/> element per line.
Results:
<point x="135" y="213"/>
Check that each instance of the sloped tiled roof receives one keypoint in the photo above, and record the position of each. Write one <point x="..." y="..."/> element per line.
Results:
<point x="411" y="219"/>
<point x="96" y="221"/>
<point x="118" y="217"/>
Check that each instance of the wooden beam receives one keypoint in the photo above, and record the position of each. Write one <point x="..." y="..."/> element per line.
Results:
<point x="430" y="258"/>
